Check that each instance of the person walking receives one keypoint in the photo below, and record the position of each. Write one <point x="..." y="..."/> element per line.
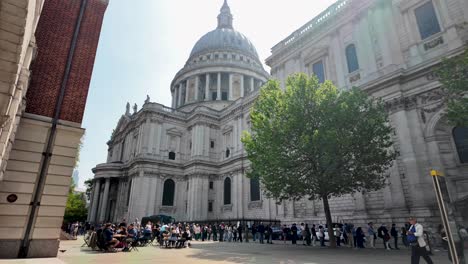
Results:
<point x="314" y="235"/>
<point x="415" y="236"/>
<point x="394" y="234"/>
<point x="384" y="235"/>
<point x="285" y="233"/>
<point x="371" y="234"/>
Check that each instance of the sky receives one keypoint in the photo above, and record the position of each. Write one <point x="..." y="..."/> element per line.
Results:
<point x="144" y="43"/>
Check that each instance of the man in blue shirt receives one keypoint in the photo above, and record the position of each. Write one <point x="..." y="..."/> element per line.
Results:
<point x="109" y="236"/>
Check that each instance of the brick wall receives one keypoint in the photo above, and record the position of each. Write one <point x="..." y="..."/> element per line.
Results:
<point x="53" y="36"/>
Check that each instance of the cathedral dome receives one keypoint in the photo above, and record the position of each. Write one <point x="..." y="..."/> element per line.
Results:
<point x="224" y="39"/>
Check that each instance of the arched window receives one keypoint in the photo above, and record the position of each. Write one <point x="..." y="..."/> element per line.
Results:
<point x="227" y="191"/>
<point x="460" y="136"/>
<point x="172" y="155"/>
<point x="351" y="58"/>
<point x="168" y="193"/>
<point x="228" y="152"/>
<point x="254" y="189"/>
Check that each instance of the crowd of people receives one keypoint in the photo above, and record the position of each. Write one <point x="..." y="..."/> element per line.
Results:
<point x="125" y="236"/>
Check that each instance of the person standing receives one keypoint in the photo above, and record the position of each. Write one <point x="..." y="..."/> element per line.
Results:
<point x="322" y="236"/>
<point x="261" y="232"/>
<point x="221" y="232"/>
<point x="415" y="236"/>
<point x="403" y="236"/>
<point x="303" y="235"/>
<point x="294" y="234"/>
<point x="360" y="238"/>
<point x="307" y="234"/>
<point x="215" y="232"/>
<point x="371" y="234"/>
<point x="394" y="234"/>
<point x="337" y="232"/>
<point x="254" y="232"/>
<point x="239" y="233"/>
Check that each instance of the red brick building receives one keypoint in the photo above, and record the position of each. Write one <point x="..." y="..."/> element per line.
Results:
<point x="47" y="53"/>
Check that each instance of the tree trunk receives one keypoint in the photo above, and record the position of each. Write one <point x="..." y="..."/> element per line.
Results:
<point x="331" y="233"/>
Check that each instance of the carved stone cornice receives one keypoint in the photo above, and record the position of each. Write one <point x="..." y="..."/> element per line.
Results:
<point x="429" y="102"/>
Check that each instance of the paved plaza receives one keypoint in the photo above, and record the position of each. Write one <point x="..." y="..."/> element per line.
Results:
<point x="214" y="252"/>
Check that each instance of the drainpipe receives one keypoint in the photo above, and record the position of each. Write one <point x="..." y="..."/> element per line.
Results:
<point x="45" y="161"/>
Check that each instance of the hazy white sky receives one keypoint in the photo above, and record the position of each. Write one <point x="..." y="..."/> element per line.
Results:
<point x="145" y="42"/>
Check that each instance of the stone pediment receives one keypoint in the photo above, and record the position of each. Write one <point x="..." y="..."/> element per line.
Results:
<point x="227" y="129"/>
<point x="123" y="121"/>
<point x="174" y="132"/>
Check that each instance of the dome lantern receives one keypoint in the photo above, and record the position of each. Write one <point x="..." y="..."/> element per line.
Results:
<point x="225" y="17"/>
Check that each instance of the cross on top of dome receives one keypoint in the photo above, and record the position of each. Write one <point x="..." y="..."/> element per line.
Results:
<point x="225" y="17"/>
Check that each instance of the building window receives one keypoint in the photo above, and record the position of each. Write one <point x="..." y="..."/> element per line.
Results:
<point x="351" y="58"/>
<point x="460" y="136"/>
<point x="426" y="18"/>
<point x="214" y="95"/>
<point x="227" y="191"/>
<point x="216" y="56"/>
<point x="168" y="193"/>
<point x="172" y="155"/>
<point x="225" y="56"/>
<point x="210" y="206"/>
<point x="228" y="152"/>
<point x="224" y="95"/>
<point x="211" y="185"/>
<point x="319" y="71"/>
<point x="254" y="189"/>
<point x="212" y="144"/>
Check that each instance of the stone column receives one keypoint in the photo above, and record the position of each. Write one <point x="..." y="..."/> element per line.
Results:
<point x="180" y="94"/>
<point x="105" y="199"/>
<point x="95" y="201"/>
<point x="230" y="97"/>
<point x="242" y="85"/>
<point x="218" y="96"/>
<point x="207" y="87"/>
<point x="186" y="99"/>
<point x="173" y="98"/>
<point x="197" y="87"/>
<point x="252" y="88"/>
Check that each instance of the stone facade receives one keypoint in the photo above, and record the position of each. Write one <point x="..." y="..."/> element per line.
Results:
<point x="396" y="57"/>
<point x="40" y="133"/>
<point x="196" y="143"/>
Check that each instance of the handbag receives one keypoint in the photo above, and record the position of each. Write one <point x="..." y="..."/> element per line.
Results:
<point x="411" y="238"/>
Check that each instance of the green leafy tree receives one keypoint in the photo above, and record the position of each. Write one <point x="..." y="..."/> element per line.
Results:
<point x="453" y="74"/>
<point x="75" y="209"/>
<point x="312" y="140"/>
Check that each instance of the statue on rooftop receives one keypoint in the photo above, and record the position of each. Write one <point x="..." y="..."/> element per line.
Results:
<point x="127" y="111"/>
<point x="147" y="99"/>
<point x="135" y="108"/>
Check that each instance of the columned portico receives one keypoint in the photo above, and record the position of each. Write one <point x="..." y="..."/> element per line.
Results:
<point x="218" y="93"/>
<point x="230" y="97"/>
<point x="105" y="200"/>
<point x="95" y="201"/>
<point x="207" y="87"/>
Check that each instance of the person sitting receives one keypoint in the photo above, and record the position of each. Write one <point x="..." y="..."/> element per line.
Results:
<point x="132" y="236"/>
<point x="182" y="239"/>
<point x="109" y="239"/>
